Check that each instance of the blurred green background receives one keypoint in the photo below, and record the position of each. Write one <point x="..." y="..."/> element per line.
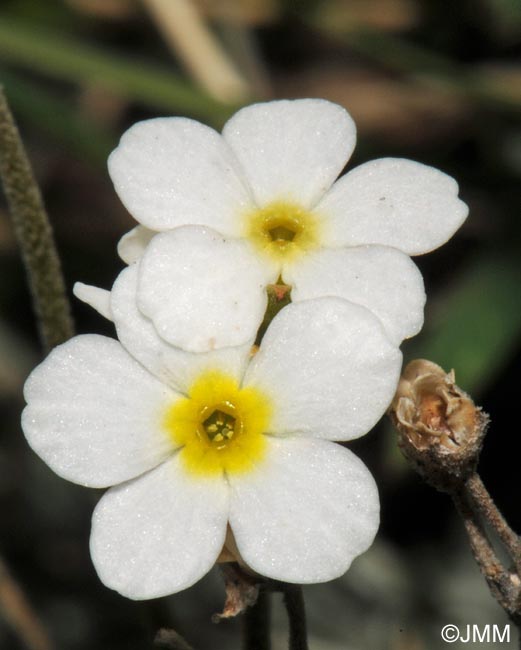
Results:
<point x="434" y="81"/>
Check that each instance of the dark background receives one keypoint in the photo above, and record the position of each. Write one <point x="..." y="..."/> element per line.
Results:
<point x="437" y="82"/>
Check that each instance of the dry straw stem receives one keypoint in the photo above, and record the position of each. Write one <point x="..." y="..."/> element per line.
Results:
<point x="187" y="34"/>
<point x="19" y="615"/>
<point x="34" y="234"/>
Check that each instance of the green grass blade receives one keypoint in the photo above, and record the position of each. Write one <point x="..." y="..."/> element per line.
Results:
<point x="55" y="117"/>
<point x="68" y="59"/>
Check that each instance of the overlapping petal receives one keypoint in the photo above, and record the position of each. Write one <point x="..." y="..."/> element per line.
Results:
<point x="94" y="414"/>
<point x="173" y="171"/>
<point x="306" y="513"/>
<point x="394" y="202"/>
<point x="381" y="278"/>
<point x="201" y="290"/>
<point x="174" y="366"/>
<point x="291" y="150"/>
<point x="328" y="367"/>
<point x="98" y="299"/>
<point x="159" y="533"/>
<point x="133" y="243"/>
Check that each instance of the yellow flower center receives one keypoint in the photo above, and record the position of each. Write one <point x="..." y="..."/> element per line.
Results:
<point x="219" y="426"/>
<point x="283" y="230"/>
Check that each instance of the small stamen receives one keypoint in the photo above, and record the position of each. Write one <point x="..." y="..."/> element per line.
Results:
<point x="219" y="426"/>
<point x="281" y="234"/>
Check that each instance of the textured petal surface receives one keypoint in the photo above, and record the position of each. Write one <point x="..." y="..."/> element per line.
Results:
<point x="328" y="368"/>
<point x="132" y="245"/>
<point x="291" y="149"/>
<point x="203" y="291"/>
<point x="94" y="414"/>
<point x="394" y="202"/>
<point x="174" y="171"/>
<point x="98" y="299"/>
<point x="159" y="533"/>
<point x="383" y="279"/>
<point x="306" y="512"/>
<point x="172" y="365"/>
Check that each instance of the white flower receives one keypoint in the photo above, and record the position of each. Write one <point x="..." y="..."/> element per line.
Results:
<point x="266" y="185"/>
<point x="196" y="442"/>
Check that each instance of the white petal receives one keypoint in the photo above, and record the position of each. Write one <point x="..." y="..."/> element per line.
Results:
<point x="394" y="202"/>
<point x="98" y="299"/>
<point x="159" y="533"/>
<point x="172" y="365"/>
<point x="328" y="368"/>
<point x="383" y="279"/>
<point x="291" y="149"/>
<point x="133" y="243"/>
<point x="306" y="513"/>
<point x="94" y="414"/>
<point x="203" y="291"/>
<point x="174" y="171"/>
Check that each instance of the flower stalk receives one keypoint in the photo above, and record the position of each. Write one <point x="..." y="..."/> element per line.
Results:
<point x="294" y="601"/>
<point x="502" y="583"/>
<point x="34" y="234"/>
<point x="257" y="624"/>
<point x="489" y="511"/>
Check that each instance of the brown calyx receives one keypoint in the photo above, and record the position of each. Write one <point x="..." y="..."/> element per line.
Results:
<point x="440" y="428"/>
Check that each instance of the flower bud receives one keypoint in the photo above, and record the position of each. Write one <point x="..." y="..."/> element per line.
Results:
<point x="441" y="430"/>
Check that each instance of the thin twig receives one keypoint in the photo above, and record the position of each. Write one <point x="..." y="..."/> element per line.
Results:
<point x="34" y="234"/>
<point x="504" y="586"/>
<point x="19" y="615"/>
<point x="482" y="550"/>
<point x="488" y="509"/>
<point x="187" y="34"/>
<point x="256" y="634"/>
<point x="294" y="601"/>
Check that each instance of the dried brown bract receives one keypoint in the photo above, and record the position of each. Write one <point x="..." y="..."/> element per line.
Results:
<point x="242" y="591"/>
<point x="441" y="430"/>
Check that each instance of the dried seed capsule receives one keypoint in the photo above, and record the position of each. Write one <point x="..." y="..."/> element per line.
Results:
<point x="441" y="430"/>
